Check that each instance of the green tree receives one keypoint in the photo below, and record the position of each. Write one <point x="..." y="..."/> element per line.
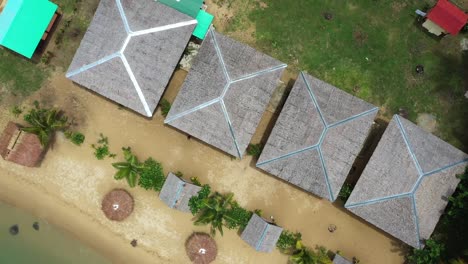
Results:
<point x="213" y="212"/>
<point x="44" y="122"/>
<point x="128" y="169"/>
<point x="152" y="175"/>
<point x="430" y="254"/>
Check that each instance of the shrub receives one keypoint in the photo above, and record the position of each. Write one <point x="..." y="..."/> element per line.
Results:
<point x="345" y="192"/>
<point x="430" y="254"/>
<point x="287" y="241"/>
<point x="179" y="174"/>
<point x="165" y="107"/>
<point x="152" y="175"/>
<point x="255" y="150"/>
<point x="196" y="203"/>
<point x="16" y="111"/>
<point x="101" y="149"/>
<point x="195" y="181"/>
<point x="129" y="169"/>
<point x="76" y="138"/>
<point x="237" y="217"/>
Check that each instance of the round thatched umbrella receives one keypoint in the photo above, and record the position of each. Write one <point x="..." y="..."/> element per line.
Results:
<point x="201" y="248"/>
<point x="117" y="204"/>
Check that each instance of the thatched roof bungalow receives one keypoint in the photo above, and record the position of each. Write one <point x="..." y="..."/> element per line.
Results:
<point x="176" y="193"/>
<point x="20" y="147"/>
<point x="405" y="186"/>
<point x="225" y="93"/>
<point x="261" y="234"/>
<point x="317" y="137"/>
<point x="130" y="51"/>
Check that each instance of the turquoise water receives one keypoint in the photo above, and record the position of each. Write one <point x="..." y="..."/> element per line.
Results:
<point x="48" y="245"/>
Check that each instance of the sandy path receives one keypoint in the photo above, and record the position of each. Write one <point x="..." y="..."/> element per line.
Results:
<point x="67" y="189"/>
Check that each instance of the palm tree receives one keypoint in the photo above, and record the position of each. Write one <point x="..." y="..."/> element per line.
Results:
<point x="128" y="169"/>
<point x="214" y="210"/>
<point x="44" y="122"/>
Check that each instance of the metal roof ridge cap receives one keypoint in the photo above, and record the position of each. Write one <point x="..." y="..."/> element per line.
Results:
<point x="258" y="73"/>
<point x="92" y="65"/>
<point x="228" y="120"/>
<point x="163" y="28"/>
<point x="351" y="118"/>
<point x="220" y="55"/>
<point x="314" y="100"/>
<point x="136" y="85"/>
<point x="287" y="155"/>
<point x="192" y="110"/>
<point x="378" y="200"/>
<point x="409" y="147"/>
<point x="123" y="16"/>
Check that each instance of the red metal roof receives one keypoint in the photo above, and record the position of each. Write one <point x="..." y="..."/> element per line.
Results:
<point x="448" y="16"/>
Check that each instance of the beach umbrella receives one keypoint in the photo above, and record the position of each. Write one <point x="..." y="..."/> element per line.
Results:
<point x="201" y="248"/>
<point x="117" y="205"/>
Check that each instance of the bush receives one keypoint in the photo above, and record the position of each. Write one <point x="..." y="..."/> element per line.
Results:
<point x="237" y="217"/>
<point x="152" y="175"/>
<point x="345" y="192"/>
<point x="101" y="149"/>
<point x="196" y="203"/>
<point x="255" y="150"/>
<point x="430" y="254"/>
<point x="76" y="138"/>
<point x="287" y="241"/>
<point x="195" y="181"/>
<point x="165" y="107"/>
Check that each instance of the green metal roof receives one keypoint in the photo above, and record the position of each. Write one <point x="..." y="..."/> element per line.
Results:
<point x="204" y="22"/>
<point x="23" y="24"/>
<point x="188" y="7"/>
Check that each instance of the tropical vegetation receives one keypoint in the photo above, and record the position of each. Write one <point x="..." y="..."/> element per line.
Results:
<point x="152" y="175"/>
<point x="304" y="255"/>
<point x="165" y="107"/>
<point x="44" y="122"/>
<point x="255" y="150"/>
<point x="128" y="169"/>
<point x="287" y="241"/>
<point x="76" y="138"/>
<point x="345" y="192"/>
<point x="101" y="148"/>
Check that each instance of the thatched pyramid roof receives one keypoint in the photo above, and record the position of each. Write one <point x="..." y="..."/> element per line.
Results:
<point x="117" y="205"/>
<point x="201" y="248"/>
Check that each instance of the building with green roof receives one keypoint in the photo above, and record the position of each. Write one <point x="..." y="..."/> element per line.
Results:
<point x="193" y="8"/>
<point x="24" y="23"/>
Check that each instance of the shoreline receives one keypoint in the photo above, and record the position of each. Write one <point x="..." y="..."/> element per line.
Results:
<point x="72" y="221"/>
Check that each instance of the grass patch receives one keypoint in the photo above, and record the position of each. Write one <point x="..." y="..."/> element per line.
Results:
<point x="370" y="49"/>
<point x="19" y="75"/>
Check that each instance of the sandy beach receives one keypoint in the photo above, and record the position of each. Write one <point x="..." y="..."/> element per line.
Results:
<point x="68" y="187"/>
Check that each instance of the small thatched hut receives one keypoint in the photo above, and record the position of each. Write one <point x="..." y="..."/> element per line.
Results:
<point x="201" y="248"/>
<point x="340" y="260"/>
<point x="176" y="193"/>
<point x="261" y="234"/>
<point x="20" y="147"/>
<point x="117" y="205"/>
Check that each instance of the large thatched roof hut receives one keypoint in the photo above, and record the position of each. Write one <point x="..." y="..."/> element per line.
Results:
<point x="317" y="137"/>
<point x="404" y="188"/>
<point x="20" y="147"/>
<point x="176" y="192"/>
<point x="117" y="204"/>
<point x="130" y="51"/>
<point x="225" y="93"/>
<point x="201" y="248"/>
<point x="260" y="234"/>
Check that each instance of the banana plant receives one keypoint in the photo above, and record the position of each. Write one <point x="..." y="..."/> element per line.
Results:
<point x="303" y="255"/>
<point x="44" y="122"/>
<point x="129" y="169"/>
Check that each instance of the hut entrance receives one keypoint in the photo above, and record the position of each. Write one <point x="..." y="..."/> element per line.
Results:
<point x="14" y="140"/>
